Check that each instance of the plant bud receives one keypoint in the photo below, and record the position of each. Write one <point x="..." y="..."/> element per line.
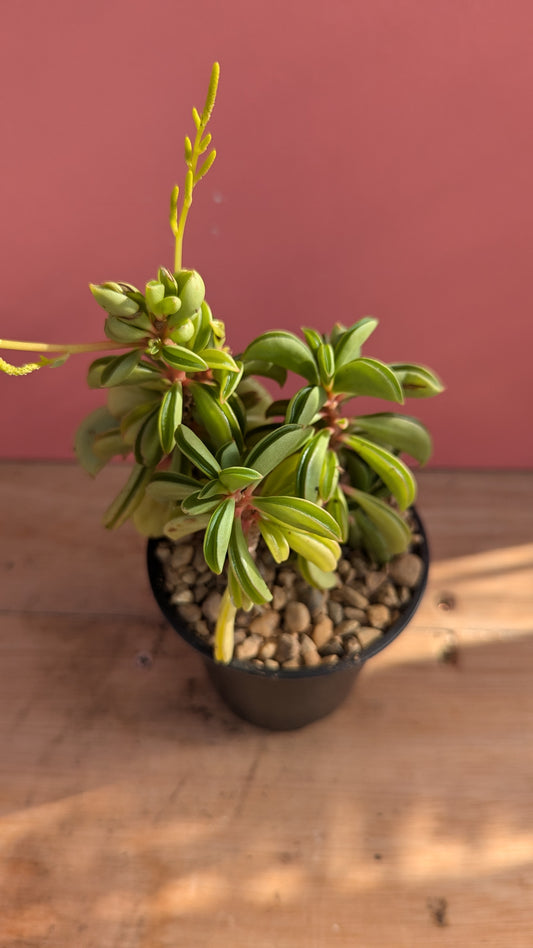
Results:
<point x="125" y="332"/>
<point x="111" y="298"/>
<point x="168" y="306"/>
<point x="183" y="333"/>
<point x="191" y="291"/>
<point x="154" y="293"/>
<point x="167" y="279"/>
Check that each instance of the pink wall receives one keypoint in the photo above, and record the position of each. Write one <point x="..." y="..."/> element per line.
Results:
<point x="387" y="171"/>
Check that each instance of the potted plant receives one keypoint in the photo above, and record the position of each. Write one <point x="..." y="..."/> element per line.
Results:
<point x="283" y="540"/>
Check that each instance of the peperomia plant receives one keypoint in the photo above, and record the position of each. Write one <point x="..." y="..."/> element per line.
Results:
<point x="211" y="451"/>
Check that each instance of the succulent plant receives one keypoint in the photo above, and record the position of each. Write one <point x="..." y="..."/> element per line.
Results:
<point x="213" y="453"/>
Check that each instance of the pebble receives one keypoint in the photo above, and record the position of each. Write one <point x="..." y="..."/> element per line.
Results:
<point x="181" y="596"/>
<point x="352" y="597"/>
<point x="279" y="597"/>
<point x="211" y="606"/>
<point x="249" y="648"/>
<point x="367" y="635"/>
<point x="406" y="570"/>
<point x="190" y="612"/>
<point x="265" y="624"/>
<point x="378" y="616"/>
<point x="297" y="617"/>
<point x="335" y="611"/>
<point x="387" y="595"/>
<point x="288" y="648"/>
<point x="182" y="555"/>
<point x="322" y="632"/>
<point x="268" y="649"/>
<point x="348" y="627"/>
<point x="309" y="652"/>
<point x="333" y="647"/>
<point x="271" y="663"/>
<point x="350" y="612"/>
<point x="352" y="645"/>
<point x="313" y="598"/>
<point x="374" y="580"/>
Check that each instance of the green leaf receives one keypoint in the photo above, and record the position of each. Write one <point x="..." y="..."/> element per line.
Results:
<point x="398" y="431"/>
<point x="316" y="577"/>
<point x="285" y="349"/>
<point x="326" y="362"/>
<point x="217" y="535"/>
<point x="120" y="368"/>
<point x="393" y="528"/>
<point x="237" y="478"/>
<point x="348" y="346"/>
<point x="183" y="525"/>
<point x="97" y="423"/>
<point x="123" y="398"/>
<point x="297" y="512"/>
<point x="393" y="472"/>
<point x="329" y="475"/>
<point x="202" y="323"/>
<point x="368" y="377"/>
<point x="416" y="380"/>
<point x="169" y="417"/>
<point x="244" y="567"/>
<point x="310" y="467"/>
<point x="338" y="508"/>
<point x="371" y="538"/>
<point x="218" y="420"/>
<point x="140" y="374"/>
<point x="150" y="517"/>
<point x="181" y="358"/>
<point x="229" y="455"/>
<point x="282" y="480"/>
<point x="313" y="338"/>
<point x="194" y="449"/>
<point x="305" y="404"/>
<point x="148" y="450"/>
<point x="275" y="540"/>
<point x="129" y="497"/>
<point x="275" y="447"/>
<point x="268" y="370"/>
<point x="171" y="486"/>
<point x="111" y="298"/>
<point x="218" y="359"/>
<point x="195" y="504"/>
<point x="322" y="552"/>
<point x="132" y="422"/>
<point x="229" y="382"/>
<point x="224" y="629"/>
<point x="122" y="331"/>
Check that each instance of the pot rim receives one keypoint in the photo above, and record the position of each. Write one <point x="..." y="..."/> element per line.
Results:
<point x="157" y="583"/>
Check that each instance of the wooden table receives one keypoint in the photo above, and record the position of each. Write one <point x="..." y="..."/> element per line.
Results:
<point x="137" y="812"/>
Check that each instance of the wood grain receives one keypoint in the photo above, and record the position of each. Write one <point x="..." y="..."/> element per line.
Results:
<point x="137" y="812"/>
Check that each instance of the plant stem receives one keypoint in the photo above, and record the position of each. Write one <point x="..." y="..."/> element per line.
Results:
<point x="71" y="348"/>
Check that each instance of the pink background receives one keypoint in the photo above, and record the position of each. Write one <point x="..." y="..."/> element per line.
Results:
<point x="374" y="158"/>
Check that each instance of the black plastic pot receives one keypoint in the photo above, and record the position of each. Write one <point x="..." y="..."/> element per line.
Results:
<point x="284" y="699"/>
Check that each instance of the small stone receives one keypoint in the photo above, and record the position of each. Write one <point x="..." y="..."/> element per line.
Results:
<point x="374" y="579"/>
<point x="335" y="611"/>
<point x="309" y="652"/>
<point x="243" y="619"/>
<point x="404" y="595"/>
<point x="268" y="573"/>
<point x="249" y="648"/>
<point x="265" y="624"/>
<point x="211" y="606"/>
<point x="288" y="648"/>
<point x="348" y="627"/>
<point x="268" y="649"/>
<point x="190" y="611"/>
<point x="406" y="569"/>
<point x="292" y="663"/>
<point x="297" y="618"/>
<point x="271" y="663"/>
<point x="239" y="636"/>
<point x="199" y="561"/>
<point x="163" y="553"/>
<point x="279" y="597"/>
<point x="333" y="647"/>
<point x="322" y="632"/>
<point x="345" y="570"/>
<point x="200" y="592"/>
<point x="352" y="597"/>
<point x="314" y="599"/>
<point x="182" y="595"/>
<point x="352" y="646"/>
<point x="182" y="555"/>
<point x="202" y="629"/>
<point x="286" y="578"/>
<point x="189" y="577"/>
<point x="378" y="616"/>
<point x="367" y="635"/>
<point x="387" y="595"/>
<point x="330" y="660"/>
<point x="351" y="612"/>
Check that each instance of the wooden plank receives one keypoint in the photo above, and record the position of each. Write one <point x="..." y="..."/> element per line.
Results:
<point x="136" y="811"/>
